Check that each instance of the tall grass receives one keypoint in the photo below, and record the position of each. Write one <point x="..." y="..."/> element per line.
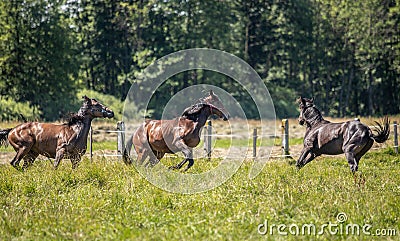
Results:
<point x="110" y="201"/>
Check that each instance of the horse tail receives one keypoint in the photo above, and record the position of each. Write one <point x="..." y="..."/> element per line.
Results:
<point x="127" y="150"/>
<point x="382" y="130"/>
<point x="4" y="136"/>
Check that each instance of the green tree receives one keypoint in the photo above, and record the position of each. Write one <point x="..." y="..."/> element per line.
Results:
<point x="38" y="63"/>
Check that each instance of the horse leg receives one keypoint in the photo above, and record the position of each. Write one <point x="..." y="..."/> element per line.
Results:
<point x="59" y="156"/>
<point x="364" y="150"/>
<point x="21" y="153"/>
<point x="190" y="164"/>
<point x="300" y="162"/>
<point x="356" y="150"/>
<point x="312" y="157"/>
<point x="179" y="166"/>
<point x="142" y="156"/>
<point x="29" y="159"/>
<point x="75" y="160"/>
<point x="151" y="161"/>
<point x="351" y="159"/>
<point x="360" y="179"/>
<point x="187" y="152"/>
<point x="156" y="158"/>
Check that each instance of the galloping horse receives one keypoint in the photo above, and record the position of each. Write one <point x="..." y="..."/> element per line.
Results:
<point x="58" y="141"/>
<point x="154" y="138"/>
<point x="352" y="138"/>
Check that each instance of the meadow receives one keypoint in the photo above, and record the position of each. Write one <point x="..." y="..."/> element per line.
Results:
<point x="107" y="200"/>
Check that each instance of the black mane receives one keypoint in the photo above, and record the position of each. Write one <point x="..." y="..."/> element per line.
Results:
<point x="313" y="115"/>
<point x="73" y="119"/>
<point x="193" y="111"/>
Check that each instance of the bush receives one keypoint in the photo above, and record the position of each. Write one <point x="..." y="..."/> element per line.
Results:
<point x="10" y="110"/>
<point x="284" y="101"/>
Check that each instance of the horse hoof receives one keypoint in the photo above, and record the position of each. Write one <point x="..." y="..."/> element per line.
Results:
<point x="353" y="168"/>
<point x="18" y="168"/>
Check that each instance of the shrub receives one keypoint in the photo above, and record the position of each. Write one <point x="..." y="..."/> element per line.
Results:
<point x="10" y="110"/>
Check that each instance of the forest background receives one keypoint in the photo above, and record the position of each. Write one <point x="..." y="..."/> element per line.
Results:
<point x="344" y="53"/>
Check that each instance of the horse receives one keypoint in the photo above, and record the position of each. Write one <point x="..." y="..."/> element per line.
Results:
<point x="67" y="140"/>
<point x="155" y="138"/>
<point x="352" y="138"/>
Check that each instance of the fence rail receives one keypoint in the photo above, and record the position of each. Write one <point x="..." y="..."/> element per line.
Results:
<point x="208" y="137"/>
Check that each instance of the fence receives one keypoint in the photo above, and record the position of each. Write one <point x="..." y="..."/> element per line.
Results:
<point x="208" y="139"/>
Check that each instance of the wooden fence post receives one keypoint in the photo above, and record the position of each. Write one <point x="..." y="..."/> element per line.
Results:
<point x="207" y="139"/>
<point x="285" y="137"/>
<point x="254" y="143"/>
<point x="396" y="140"/>
<point x="120" y="138"/>
<point x="91" y="143"/>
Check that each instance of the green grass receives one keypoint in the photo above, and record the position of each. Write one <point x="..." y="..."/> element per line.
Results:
<point x="7" y="148"/>
<point x="226" y="143"/>
<point x="107" y="200"/>
<point x="104" y="145"/>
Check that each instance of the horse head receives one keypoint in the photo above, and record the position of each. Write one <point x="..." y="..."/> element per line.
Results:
<point x="304" y="104"/>
<point x="216" y="105"/>
<point x="94" y="109"/>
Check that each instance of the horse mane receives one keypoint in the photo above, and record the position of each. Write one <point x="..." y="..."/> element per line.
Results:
<point x="76" y="118"/>
<point x="73" y="119"/>
<point x="315" y="116"/>
<point x="194" y="109"/>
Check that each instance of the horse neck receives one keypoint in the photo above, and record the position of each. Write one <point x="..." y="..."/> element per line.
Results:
<point x="83" y="132"/>
<point x="201" y="118"/>
<point x="315" y="120"/>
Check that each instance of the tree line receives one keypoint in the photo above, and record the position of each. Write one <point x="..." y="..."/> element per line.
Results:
<point x="344" y="53"/>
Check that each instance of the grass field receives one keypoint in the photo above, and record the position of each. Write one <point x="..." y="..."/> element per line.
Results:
<point x="107" y="200"/>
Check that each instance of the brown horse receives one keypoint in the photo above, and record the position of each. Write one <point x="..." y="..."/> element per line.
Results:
<point x="352" y="138"/>
<point x="154" y="138"/>
<point x="58" y="141"/>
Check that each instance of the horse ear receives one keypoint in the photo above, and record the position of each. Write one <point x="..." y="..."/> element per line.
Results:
<point x="86" y="99"/>
<point x="211" y="93"/>
<point x="300" y="100"/>
<point x="312" y="99"/>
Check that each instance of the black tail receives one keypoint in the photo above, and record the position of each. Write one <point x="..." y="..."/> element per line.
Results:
<point x="382" y="130"/>
<point x="4" y="136"/>
<point x="127" y="150"/>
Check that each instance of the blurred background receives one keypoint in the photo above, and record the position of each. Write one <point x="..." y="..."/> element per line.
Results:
<point x="344" y="53"/>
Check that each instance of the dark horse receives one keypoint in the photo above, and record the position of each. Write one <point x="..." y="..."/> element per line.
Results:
<point x="352" y="138"/>
<point x="58" y="141"/>
<point x="154" y="138"/>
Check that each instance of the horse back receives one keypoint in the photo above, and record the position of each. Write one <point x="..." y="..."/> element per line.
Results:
<point x="332" y="138"/>
<point x="43" y="138"/>
<point x="161" y="132"/>
<point x="156" y="133"/>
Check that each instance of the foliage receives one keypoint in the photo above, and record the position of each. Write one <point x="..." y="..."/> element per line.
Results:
<point x="11" y="110"/>
<point x="345" y="54"/>
<point x="107" y="200"/>
<point x="38" y="61"/>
